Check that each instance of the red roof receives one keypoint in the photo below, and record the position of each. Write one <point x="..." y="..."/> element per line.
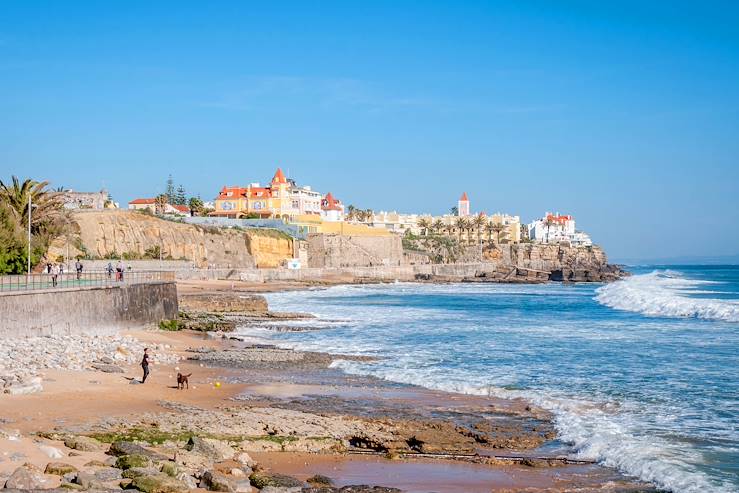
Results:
<point x="259" y="192"/>
<point x="329" y="203"/>
<point x="143" y="201"/>
<point x="279" y="177"/>
<point x="235" y="192"/>
<point x="558" y="218"/>
<point x="464" y="197"/>
<point x="182" y="208"/>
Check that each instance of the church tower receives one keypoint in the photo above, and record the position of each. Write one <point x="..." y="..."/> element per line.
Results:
<point x="463" y="206"/>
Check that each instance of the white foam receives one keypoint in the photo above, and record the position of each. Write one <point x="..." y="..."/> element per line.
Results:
<point x="663" y="294"/>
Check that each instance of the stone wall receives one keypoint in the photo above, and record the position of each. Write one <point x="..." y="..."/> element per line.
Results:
<point x="333" y="250"/>
<point x="95" y="310"/>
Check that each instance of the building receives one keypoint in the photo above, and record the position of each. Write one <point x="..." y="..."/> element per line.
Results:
<point x="151" y="206"/>
<point x="85" y="200"/>
<point x="395" y="222"/>
<point x="332" y="210"/>
<point x="282" y="199"/>
<point x="463" y="206"/>
<point x="496" y="228"/>
<point x="555" y="228"/>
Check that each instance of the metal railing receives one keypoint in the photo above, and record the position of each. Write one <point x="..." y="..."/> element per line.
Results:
<point x="71" y="280"/>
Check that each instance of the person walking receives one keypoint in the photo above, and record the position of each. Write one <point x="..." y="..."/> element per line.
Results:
<point x="54" y="275"/>
<point x="109" y="270"/>
<point x="78" y="268"/>
<point x="145" y="364"/>
<point x="119" y="270"/>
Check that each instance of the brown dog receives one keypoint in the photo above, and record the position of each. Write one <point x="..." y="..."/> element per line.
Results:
<point x="182" y="381"/>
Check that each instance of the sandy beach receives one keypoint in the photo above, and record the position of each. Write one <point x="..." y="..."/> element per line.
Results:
<point x="294" y="416"/>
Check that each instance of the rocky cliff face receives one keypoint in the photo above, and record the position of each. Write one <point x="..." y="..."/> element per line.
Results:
<point x="102" y="234"/>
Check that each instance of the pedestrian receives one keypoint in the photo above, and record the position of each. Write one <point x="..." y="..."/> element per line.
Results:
<point x="54" y="274"/>
<point x="61" y="268"/>
<point x="145" y="364"/>
<point x="109" y="270"/>
<point x="119" y="270"/>
<point x="78" y="268"/>
<point x="48" y="267"/>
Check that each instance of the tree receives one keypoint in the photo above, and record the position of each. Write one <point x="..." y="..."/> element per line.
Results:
<point x="160" y="204"/>
<point x="461" y="224"/>
<point x="196" y="206"/>
<point x="479" y="222"/>
<point x="549" y="222"/>
<point x="352" y="212"/>
<point x="437" y="226"/>
<point x="180" y="196"/>
<point x="454" y="211"/>
<point x="425" y="225"/>
<point x="170" y="191"/>
<point x="489" y="228"/>
<point x="499" y="229"/>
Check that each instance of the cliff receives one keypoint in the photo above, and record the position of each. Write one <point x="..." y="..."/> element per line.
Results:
<point x="110" y="233"/>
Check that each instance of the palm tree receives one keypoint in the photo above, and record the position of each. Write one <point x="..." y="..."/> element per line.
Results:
<point x="160" y="204"/>
<point x="425" y="225"/>
<point x="461" y="224"/>
<point x="548" y="223"/>
<point x="499" y="228"/>
<point x="46" y="205"/>
<point x="478" y="222"/>
<point x="352" y="211"/>
<point x="489" y="229"/>
<point x="437" y="226"/>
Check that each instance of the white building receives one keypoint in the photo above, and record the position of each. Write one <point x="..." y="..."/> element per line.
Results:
<point x="332" y="210"/>
<point x="85" y="200"/>
<point x="555" y="228"/>
<point x="395" y="222"/>
<point x="305" y="200"/>
<point x="151" y="205"/>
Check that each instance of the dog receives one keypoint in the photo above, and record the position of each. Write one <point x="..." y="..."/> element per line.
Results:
<point x="182" y="381"/>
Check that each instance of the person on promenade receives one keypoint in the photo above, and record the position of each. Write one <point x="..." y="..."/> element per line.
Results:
<point x="78" y="268"/>
<point x="48" y="267"/>
<point x="54" y="274"/>
<point x="119" y="270"/>
<point x="145" y="364"/>
<point x="109" y="270"/>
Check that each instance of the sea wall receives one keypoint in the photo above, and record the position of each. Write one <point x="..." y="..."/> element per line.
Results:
<point x="93" y="310"/>
<point x="339" y="251"/>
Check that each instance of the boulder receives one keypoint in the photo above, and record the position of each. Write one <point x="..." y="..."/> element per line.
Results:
<point x="216" y="450"/>
<point x="129" y="448"/>
<point x="244" y="459"/>
<point x="27" y="477"/>
<point x="108" y="474"/>
<point x="135" y="472"/>
<point x="158" y="483"/>
<point x="263" y="479"/>
<point x="319" y="480"/>
<point x="59" y="468"/>
<point x="215" y="481"/>
<point x="188" y="480"/>
<point x="169" y="468"/>
<point x="133" y="460"/>
<point x="281" y="489"/>
<point x="107" y="368"/>
<point x="83" y="443"/>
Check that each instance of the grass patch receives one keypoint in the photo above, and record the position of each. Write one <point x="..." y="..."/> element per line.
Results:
<point x="171" y="325"/>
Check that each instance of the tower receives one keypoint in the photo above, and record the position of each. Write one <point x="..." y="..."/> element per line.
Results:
<point x="463" y="206"/>
<point x="280" y="193"/>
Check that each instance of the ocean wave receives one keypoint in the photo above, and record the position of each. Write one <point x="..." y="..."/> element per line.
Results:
<point x="662" y="293"/>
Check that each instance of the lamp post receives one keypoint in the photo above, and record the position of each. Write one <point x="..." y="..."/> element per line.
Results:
<point x="29" y="238"/>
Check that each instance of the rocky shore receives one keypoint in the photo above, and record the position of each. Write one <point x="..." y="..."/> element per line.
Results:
<point x="259" y="418"/>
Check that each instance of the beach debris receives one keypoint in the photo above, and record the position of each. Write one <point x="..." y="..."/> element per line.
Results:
<point x="51" y="452"/>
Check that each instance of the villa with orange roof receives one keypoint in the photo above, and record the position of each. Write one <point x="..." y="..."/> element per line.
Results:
<point x="556" y="228"/>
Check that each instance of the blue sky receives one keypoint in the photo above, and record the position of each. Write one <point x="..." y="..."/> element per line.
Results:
<point x="626" y="115"/>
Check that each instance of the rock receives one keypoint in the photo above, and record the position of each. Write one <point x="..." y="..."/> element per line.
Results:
<point x="129" y="448"/>
<point x="158" y="483"/>
<point x="133" y="460"/>
<point x="106" y="368"/>
<point x="27" y="477"/>
<point x="169" y="468"/>
<point x="320" y="480"/>
<point x="262" y="479"/>
<point x="281" y="489"/>
<point x="59" y="468"/>
<point x="216" y="450"/>
<point x="108" y="474"/>
<point x="85" y="479"/>
<point x="188" y="480"/>
<point x="52" y="452"/>
<point x="70" y="486"/>
<point x="215" y="481"/>
<point x="224" y="302"/>
<point x="83" y="443"/>
<point x="135" y="472"/>
<point x="245" y="459"/>
<point x="30" y="386"/>
<point x="96" y="463"/>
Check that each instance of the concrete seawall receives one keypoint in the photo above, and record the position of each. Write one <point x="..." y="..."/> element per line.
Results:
<point x="93" y="310"/>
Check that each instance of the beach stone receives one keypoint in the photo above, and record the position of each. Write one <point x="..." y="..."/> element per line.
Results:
<point x="245" y="459"/>
<point x="70" y="486"/>
<point x="59" y="468"/>
<point x="158" y="483"/>
<point x="133" y="460"/>
<point x="263" y="479"/>
<point x="281" y="489"/>
<point x="216" y="450"/>
<point x="83" y="443"/>
<point x="108" y="474"/>
<point x="215" y="481"/>
<point x="52" y="452"/>
<point x="27" y="477"/>
<point x="106" y="368"/>
<point x="169" y="468"/>
<point x="135" y="472"/>
<point x="320" y="480"/>
<point x="188" y="480"/>
<point x="122" y="447"/>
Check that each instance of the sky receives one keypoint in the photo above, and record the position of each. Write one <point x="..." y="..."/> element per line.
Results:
<point x="624" y="114"/>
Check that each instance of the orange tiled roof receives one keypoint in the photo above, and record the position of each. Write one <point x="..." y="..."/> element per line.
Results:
<point x="143" y="201"/>
<point x="279" y="177"/>
<point x="464" y="197"/>
<point x="329" y="203"/>
<point x="182" y="208"/>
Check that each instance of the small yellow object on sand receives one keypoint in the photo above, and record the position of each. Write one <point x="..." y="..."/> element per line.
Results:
<point x="218" y="384"/>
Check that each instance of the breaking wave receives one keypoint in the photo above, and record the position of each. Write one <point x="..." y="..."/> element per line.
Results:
<point x="666" y="293"/>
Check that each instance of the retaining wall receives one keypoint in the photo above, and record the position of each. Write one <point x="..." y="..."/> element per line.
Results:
<point x="94" y="310"/>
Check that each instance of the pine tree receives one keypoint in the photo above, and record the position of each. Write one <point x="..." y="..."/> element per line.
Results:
<point x="180" y="196"/>
<point x="170" y="192"/>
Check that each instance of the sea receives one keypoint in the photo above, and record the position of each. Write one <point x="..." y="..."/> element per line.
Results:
<point x="641" y="374"/>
